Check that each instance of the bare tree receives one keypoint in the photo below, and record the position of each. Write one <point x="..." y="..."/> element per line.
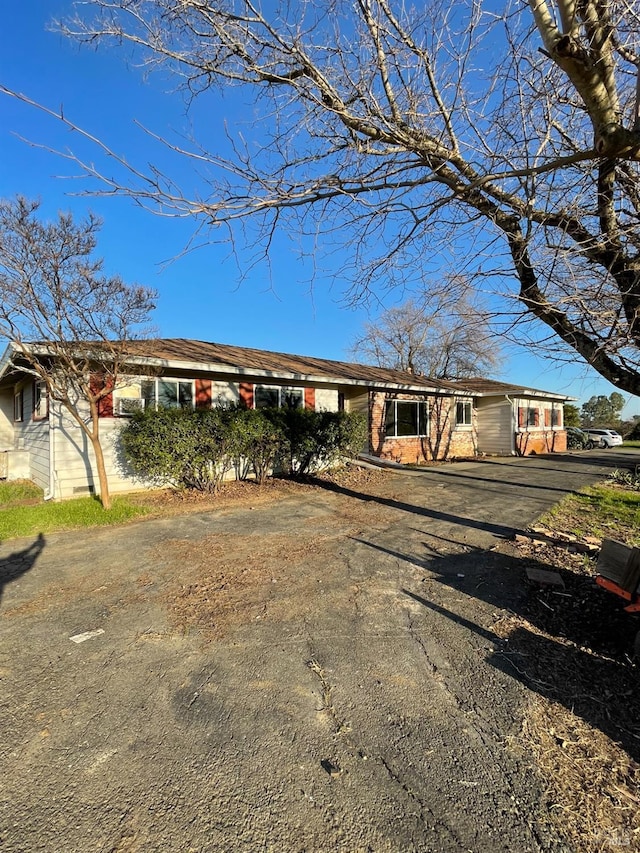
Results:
<point x="510" y="138"/>
<point x="72" y="327"/>
<point x="449" y="340"/>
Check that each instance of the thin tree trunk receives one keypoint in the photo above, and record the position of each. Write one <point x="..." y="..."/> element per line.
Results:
<point x="105" y="497"/>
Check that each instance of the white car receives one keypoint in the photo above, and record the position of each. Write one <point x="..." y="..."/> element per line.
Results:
<point x="604" y="437"/>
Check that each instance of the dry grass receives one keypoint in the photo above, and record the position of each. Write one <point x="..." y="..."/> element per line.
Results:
<point x="591" y="784"/>
<point x="574" y="649"/>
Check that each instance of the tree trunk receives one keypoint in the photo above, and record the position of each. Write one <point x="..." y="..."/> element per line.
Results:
<point x="105" y="497"/>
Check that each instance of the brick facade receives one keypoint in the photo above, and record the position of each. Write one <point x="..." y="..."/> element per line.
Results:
<point x="541" y="441"/>
<point x="444" y="441"/>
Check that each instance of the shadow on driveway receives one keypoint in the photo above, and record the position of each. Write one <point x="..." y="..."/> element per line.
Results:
<point x="20" y="562"/>
<point x="577" y="651"/>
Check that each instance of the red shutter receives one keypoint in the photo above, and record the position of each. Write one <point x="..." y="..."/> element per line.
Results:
<point x="203" y="393"/>
<point x="97" y="383"/>
<point x="309" y="398"/>
<point x="547" y="417"/>
<point x="246" y="394"/>
<point x="522" y="417"/>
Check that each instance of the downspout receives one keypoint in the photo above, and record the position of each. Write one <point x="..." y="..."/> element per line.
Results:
<point x="513" y="426"/>
<point x="51" y="491"/>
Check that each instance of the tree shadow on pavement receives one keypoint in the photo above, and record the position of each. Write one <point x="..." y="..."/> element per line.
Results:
<point x="501" y="530"/>
<point x="572" y="646"/>
<point x="20" y="562"/>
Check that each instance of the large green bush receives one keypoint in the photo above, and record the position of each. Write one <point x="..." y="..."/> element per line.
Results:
<point x="256" y="441"/>
<point x="196" y="449"/>
<point x="179" y="447"/>
<point x="316" y="440"/>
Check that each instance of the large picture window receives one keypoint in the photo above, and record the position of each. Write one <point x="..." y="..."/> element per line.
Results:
<point x="405" y="418"/>
<point x="277" y="397"/>
<point x="167" y="393"/>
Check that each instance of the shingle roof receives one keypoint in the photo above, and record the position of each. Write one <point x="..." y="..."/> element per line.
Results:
<point x="279" y="364"/>
<point x="487" y="387"/>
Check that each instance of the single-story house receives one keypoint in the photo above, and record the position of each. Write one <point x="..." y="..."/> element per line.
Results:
<point x="412" y="418"/>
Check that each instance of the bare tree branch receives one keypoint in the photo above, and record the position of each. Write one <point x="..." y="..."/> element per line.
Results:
<point x="71" y="326"/>
<point x="511" y="139"/>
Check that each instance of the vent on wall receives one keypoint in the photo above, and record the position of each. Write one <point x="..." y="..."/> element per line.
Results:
<point x="79" y="490"/>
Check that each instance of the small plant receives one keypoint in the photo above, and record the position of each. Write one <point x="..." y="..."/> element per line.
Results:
<point x="14" y="492"/>
<point x="628" y="479"/>
<point x="317" y="440"/>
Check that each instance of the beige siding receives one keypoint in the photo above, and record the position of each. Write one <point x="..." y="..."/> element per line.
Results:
<point x="357" y="401"/>
<point x="326" y="400"/>
<point x="74" y="460"/>
<point x="495" y="427"/>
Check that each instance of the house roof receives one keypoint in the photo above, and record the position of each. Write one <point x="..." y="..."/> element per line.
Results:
<point x="480" y="387"/>
<point x="222" y="358"/>
<point x="214" y="358"/>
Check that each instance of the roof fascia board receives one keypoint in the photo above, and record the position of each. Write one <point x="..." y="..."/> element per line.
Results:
<point x="6" y="359"/>
<point x="523" y="392"/>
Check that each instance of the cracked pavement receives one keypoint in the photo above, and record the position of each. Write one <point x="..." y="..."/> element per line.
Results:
<point x="315" y="673"/>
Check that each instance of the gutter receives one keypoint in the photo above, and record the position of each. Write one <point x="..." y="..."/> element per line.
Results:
<point x="51" y="491"/>
<point x="514" y="424"/>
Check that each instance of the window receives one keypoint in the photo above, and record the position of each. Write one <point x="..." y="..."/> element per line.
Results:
<point x="167" y="393"/>
<point x="405" y="418"/>
<point x="464" y="413"/>
<point x="528" y="417"/>
<point x="40" y="400"/>
<point x="556" y="416"/>
<point x="275" y="397"/>
<point x="18" y="405"/>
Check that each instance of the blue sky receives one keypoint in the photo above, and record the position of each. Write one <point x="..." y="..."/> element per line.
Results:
<point x="205" y="294"/>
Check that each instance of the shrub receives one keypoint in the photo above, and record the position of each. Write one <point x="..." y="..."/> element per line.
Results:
<point x="179" y="447"/>
<point x="257" y="442"/>
<point x="316" y="440"/>
<point x="195" y="449"/>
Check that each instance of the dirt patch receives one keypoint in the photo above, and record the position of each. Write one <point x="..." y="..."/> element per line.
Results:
<point x="350" y="664"/>
<point x="574" y="647"/>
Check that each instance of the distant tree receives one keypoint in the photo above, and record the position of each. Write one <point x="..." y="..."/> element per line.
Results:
<point x="631" y="428"/>
<point x="73" y="326"/>
<point x="571" y="415"/>
<point x="445" y="341"/>
<point x="601" y="411"/>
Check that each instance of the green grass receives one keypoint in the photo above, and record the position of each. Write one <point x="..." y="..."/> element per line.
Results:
<point x="20" y="520"/>
<point x="18" y="491"/>
<point x="628" y="443"/>
<point x="602" y="511"/>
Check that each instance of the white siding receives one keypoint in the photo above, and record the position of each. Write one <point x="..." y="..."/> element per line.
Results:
<point x="495" y="427"/>
<point x="223" y="393"/>
<point x="74" y="460"/>
<point x="33" y="436"/>
<point x="6" y="419"/>
<point x="326" y="400"/>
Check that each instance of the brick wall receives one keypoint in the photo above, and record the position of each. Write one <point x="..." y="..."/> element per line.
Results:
<point x="541" y="441"/>
<point x="443" y="442"/>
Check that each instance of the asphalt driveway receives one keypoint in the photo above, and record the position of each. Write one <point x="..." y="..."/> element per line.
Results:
<point x="315" y="673"/>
